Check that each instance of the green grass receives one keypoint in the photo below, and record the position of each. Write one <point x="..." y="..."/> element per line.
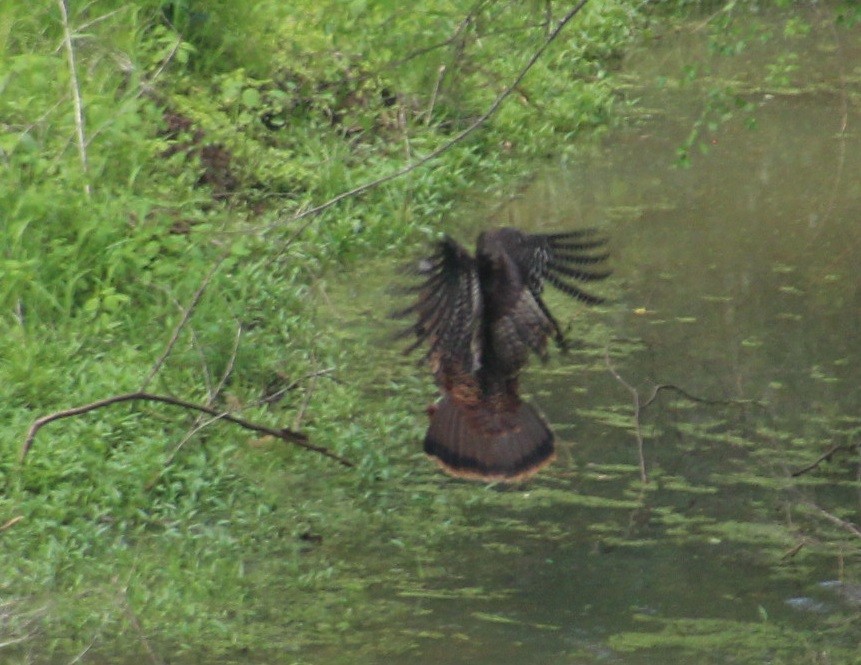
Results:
<point x="208" y="126"/>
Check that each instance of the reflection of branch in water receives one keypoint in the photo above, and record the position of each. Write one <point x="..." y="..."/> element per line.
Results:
<point x="640" y="407"/>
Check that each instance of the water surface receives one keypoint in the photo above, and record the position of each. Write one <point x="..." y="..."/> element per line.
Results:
<point x="736" y="280"/>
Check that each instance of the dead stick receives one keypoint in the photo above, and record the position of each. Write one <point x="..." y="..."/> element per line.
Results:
<point x="285" y="434"/>
<point x="823" y="457"/>
<point x="848" y="526"/>
<point x="11" y="522"/>
<point x="693" y="398"/>
<point x="635" y="397"/>
<point x="76" y="94"/>
<point x="186" y="316"/>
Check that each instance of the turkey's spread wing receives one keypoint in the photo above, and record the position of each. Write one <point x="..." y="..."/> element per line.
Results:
<point x="522" y="327"/>
<point x="448" y="312"/>
<point x="559" y="259"/>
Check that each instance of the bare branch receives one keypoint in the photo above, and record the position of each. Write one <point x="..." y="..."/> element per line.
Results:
<point x="200" y="422"/>
<point x="296" y="438"/>
<point x="306" y="399"/>
<point x="700" y="400"/>
<point x="290" y="386"/>
<point x="228" y="369"/>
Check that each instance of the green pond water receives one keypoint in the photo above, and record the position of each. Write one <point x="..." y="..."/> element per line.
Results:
<point x="737" y="280"/>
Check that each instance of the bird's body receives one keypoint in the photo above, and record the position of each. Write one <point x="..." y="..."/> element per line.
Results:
<point x="481" y="316"/>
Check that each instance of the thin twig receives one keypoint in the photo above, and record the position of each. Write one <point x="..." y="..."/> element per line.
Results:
<point x="228" y="369"/>
<point x="478" y="122"/>
<point x="462" y="24"/>
<point x="16" y="640"/>
<point x="432" y="103"/>
<point x="200" y="422"/>
<point x="76" y="95"/>
<point x="826" y="456"/>
<point x="635" y="396"/>
<point x="295" y="382"/>
<point x="795" y="550"/>
<point x="8" y="524"/>
<point x="296" y="438"/>
<point x="694" y="398"/>
<point x="848" y="526"/>
<point x="841" y="133"/>
<point x="195" y="299"/>
<point x="83" y="652"/>
<point x="98" y="19"/>
<point x="639" y="406"/>
<point x="306" y="399"/>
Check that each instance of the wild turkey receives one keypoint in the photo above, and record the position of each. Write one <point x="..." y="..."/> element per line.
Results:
<point x="481" y="316"/>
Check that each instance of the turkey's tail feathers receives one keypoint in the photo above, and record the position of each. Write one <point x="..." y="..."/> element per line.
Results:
<point x="485" y="442"/>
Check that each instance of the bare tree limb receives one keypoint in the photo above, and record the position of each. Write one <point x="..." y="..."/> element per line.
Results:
<point x="228" y="369"/>
<point x="306" y="399"/>
<point x="295" y="382"/>
<point x="200" y="422"/>
<point x="296" y="438"/>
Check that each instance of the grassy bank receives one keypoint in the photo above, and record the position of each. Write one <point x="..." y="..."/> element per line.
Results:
<point x="154" y="159"/>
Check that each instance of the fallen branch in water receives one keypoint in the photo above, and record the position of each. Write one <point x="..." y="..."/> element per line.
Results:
<point x="635" y="394"/>
<point x="843" y="524"/>
<point x="824" y="457"/>
<point x="700" y="400"/>
<point x="639" y="407"/>
<point x="296" y="438"/>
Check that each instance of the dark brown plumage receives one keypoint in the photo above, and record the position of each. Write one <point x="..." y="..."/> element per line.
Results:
<point x="480" y="316"/>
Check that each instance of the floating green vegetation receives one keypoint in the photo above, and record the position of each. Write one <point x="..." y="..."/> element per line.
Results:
<point x="720" y="640"/>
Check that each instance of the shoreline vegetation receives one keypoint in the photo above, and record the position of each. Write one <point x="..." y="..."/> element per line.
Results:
<point x="173" y="196"/>
<point x="180" y="188"/>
